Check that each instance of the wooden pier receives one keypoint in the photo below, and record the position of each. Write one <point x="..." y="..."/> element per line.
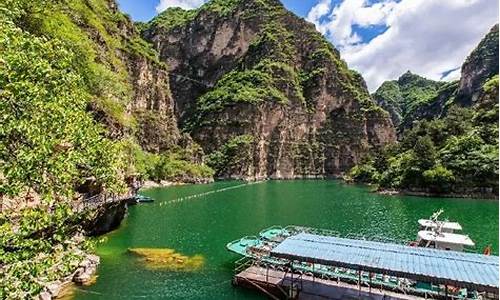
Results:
<point x="277" y="284"/>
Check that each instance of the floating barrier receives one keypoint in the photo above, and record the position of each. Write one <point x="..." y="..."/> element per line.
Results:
<point x="182" y="199"/>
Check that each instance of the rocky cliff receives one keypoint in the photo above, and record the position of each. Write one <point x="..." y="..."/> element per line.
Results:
<point x="481" y="65"/>
<point x="263" y="93"/>
<point x="147" y="103"/>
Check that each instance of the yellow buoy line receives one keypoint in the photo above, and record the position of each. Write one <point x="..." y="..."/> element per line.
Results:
<point x="182" y="199"/>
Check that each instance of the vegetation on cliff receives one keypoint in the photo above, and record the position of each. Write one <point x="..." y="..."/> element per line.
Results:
<point x="238" y="64"/>
<point x="59" y="60"/>
<point x="402" y="97"/>
<point x="480" y="65"/>
<point x="38" y="248"/>
<point x="232" y="156"/>
<point x="459" y="151"/>
<point x="49" y="143"/>
<point x="64" y="111"/>
<point x="178" y="164"/>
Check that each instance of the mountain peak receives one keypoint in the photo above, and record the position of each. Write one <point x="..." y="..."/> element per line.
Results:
<point x="177" y="17"/>
<point x="235" y="64"/>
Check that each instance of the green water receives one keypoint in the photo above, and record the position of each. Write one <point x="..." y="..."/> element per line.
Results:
<point x="204" y="224"/>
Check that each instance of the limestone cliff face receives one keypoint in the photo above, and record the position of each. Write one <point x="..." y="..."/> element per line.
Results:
<point x="151" y="104"/>
<point x="481" y="65"/>
<point x="263" y="93"/>
<point x="132" y="96"/>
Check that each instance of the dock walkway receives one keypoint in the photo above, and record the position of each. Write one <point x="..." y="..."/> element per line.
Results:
<point x="311" y="288"/>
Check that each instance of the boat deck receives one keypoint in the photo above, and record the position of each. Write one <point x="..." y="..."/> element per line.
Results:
<point x="312" y="288"/>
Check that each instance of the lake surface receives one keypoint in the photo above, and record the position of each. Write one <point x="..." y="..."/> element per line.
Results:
<point x="202" y="219"/>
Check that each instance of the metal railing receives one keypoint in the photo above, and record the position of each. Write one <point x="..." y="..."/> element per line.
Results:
<point x="97" y="201"/>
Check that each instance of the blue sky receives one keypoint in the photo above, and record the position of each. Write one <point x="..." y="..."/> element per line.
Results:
<point x="382" y="39"/>
<point x="144" y="10"/>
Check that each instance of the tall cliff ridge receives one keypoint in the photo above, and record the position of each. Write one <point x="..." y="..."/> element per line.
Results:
<point x="124" y="85"/>
<point x="480" y="66"/>
<point x="263" y="93"/>
<point x="412" y="98"/>
<point x="129" y="85"/>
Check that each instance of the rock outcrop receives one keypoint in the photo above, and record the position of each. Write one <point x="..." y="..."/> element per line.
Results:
<point x="264" y="93"/>
<point x="151" y="105"/>
<point x="481" y="65"/>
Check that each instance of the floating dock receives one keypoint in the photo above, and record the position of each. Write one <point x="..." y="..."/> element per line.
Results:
<point x="311" y="266"/>
<point x="282" y="285"/>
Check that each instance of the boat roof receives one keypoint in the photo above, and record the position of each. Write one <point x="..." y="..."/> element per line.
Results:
<point x="479" y="272"/>
<point x="445" y="237"/>
<point x="435" y="224"/>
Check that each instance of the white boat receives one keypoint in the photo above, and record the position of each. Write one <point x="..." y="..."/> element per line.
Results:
<point x="441" y="234"/>
<point x="443" y="240"/>
<point x="434" y="224"/>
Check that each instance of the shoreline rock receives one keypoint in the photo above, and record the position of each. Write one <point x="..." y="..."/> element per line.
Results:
<point x="81" y="276"/>
<point x="424" y="193"/>
<point x="472" y="193"/>
<point x="150" y="184"/>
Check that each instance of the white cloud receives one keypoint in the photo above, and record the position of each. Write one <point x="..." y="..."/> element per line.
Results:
<point x="339" y="20"/>
<point x="317" y="12"/>
<point x="427" y="37"/>
<point x="453" y="75"/>
<point x="184" y="4"/>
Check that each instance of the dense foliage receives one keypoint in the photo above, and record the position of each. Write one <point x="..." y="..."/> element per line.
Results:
<point x="174" y="165"/>
<point x="64" y="79"/>
<point x="453" y="147"/>
<point x="232" y="155"/>
<point x="441" y="155"/>
<point x="58" y="60"/>
<point x="402" y="97"/>
<point x="40" y="247"/>
<point x="49" y="143"/>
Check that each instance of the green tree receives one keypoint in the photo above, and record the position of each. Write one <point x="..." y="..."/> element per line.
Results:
<point x="48" y="140"/>
<point x="439" y="177"/>
<point x="425" y="153"/>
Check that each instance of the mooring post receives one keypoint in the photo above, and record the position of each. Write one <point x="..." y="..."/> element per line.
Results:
<point x="359" y="282"/>
<point x="267" y="274"/>
<point x="314" y="277"/>
<point x="370" y="282"/>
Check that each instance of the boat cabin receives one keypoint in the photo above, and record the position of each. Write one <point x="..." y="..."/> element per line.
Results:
<point x="444" y="226"/>
<point x="443" y="240"/>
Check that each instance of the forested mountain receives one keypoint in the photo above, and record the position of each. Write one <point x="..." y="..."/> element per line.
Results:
<point x="448" y="131"/>
<point x="404" y="98"/>
<point x="412" y="97"/>
<point x="234" y="89"/>
<point x="264" y="93"/>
